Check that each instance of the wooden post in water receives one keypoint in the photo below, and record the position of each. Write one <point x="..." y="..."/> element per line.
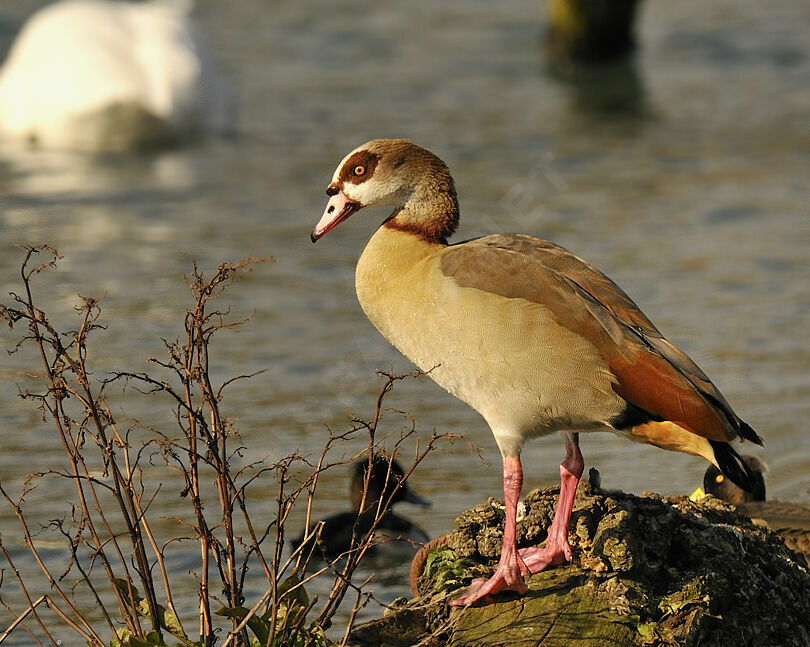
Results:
<point x="590" y="31"/>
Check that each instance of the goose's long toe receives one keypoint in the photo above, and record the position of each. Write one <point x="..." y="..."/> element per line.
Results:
<point x="505" y="578"/>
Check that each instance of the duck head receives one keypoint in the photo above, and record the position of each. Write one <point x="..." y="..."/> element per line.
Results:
<point x="384" y="481"/>
<point x="716" y="483"/>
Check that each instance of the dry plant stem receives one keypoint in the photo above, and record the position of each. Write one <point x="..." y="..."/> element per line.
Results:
<point x="276" y="559"/>
<point x="156" y="551"/>
<point x="343" y="579"/>
<point x="36" y="320"/>
<point x="313" y="483"/>
<point x="206" y="626"/>
<point x="254" y="539"/>
<point x="24" y="589"/>
<point x="284" y="504"/>
<point x="123" y="495"/>
<point x="264" y="599"/>
<point x="204" y="533"/>
<point x="90" y="636"/>
<point x="361" y="545"/>
<point x="358" y="604"/>
<point x="204" y="454"/>
<point x="85" y="575"/>
<point x="97" y="414"/>
<point x="142" y="521"/>
<point x="206" y="438"/>
<point x="296" y="624"/>
<point x="310" y="486"/>
<point x="21" y="618"/>
<point x="206" y="446"/>
<point x="237" y="630"/>
<point x="215" y="438"/>
<point x="15" y="624"/>
<point x="219" y="442"/>
<point x="87" y="632"/>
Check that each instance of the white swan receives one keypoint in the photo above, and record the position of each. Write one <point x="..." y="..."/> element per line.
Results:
<point x="99" y="75"/>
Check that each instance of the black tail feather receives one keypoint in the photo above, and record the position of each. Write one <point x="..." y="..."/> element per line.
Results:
<point x="746" y="432"/>
<point x="734" y="467"/>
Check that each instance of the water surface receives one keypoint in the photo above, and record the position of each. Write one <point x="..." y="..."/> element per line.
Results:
<point x="682" y="176"/>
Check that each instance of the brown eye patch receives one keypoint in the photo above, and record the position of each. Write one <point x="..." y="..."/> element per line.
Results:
<point x="359" y="167"/>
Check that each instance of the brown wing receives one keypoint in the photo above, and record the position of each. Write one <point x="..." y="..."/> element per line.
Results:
<point x="651" y="373"/>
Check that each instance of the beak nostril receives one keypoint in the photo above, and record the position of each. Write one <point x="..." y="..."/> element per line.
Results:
<point x="330" y="209"/>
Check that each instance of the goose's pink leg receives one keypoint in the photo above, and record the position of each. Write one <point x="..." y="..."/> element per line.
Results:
<point x="511" y="569"/>
<point x="557" y="548"/>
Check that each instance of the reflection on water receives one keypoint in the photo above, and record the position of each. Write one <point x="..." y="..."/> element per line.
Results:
<point x="607" y="91"/>
<point x="692" y="195"/>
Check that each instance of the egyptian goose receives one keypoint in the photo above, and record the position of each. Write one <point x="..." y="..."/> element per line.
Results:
<point x="97" y="75"/>
<point x="532" y="337"/>
<point x="385" y="481"/>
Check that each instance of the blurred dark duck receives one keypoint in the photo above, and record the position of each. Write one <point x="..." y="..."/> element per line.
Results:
<point x="791" y="521"/>
<point x="393" y="533"/>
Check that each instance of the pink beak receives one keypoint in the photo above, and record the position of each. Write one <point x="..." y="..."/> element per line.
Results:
<point x="337" y="210"/>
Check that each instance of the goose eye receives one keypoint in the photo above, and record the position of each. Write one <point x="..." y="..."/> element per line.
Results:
<point x="359" y="170"/>
<point x="719" y="478"/>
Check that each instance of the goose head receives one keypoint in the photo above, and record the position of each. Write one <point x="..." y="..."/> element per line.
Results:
<point x="395" y="173"/>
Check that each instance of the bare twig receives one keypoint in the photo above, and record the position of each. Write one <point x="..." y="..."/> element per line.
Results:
<point x="125" y="547"/>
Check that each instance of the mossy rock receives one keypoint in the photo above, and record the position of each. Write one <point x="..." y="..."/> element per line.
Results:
<point x="647" y="570"/>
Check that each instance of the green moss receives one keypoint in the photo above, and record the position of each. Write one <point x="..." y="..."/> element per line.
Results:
<point x="561" y="610"/>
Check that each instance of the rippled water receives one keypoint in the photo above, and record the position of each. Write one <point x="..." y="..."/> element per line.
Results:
<point x="683" y="176"/>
